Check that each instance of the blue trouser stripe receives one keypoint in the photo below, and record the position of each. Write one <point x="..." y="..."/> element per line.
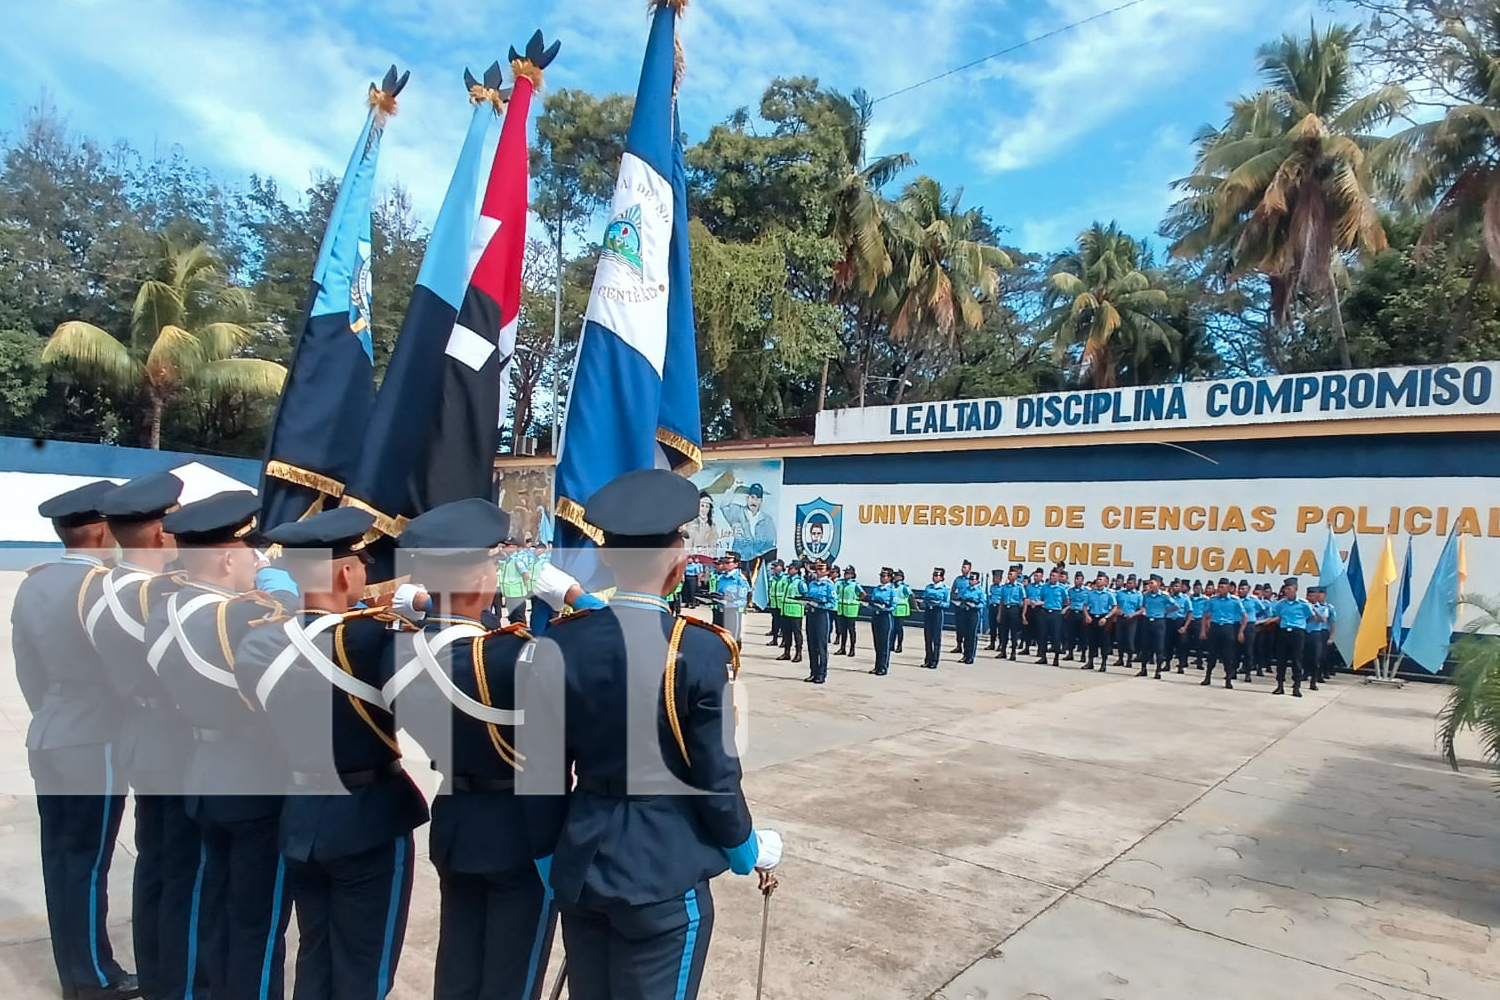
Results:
<point x="275" y="931"/>
<point x="192" y="955"/>
<point x="109" y="790"/>
<point x="688" y="945"/>
<point x="536" y="944"/>
<point x="398" y="877"/>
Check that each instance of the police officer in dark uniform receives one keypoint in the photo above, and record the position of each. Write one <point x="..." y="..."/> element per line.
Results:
<point x="71" y="744"/>
<point x="234" y="773"/>
<point x="155" y="738"/>
<point x="453" y="688"/>
<point x="657" y="810"/>
<point x="350" y="809"/>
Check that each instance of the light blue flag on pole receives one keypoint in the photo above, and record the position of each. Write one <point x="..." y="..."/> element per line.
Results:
<point x="1431" y="632"/>
<point x="1403" y="601"/>
<point x="634" y="399"/>
<point x="1333" y="574"/>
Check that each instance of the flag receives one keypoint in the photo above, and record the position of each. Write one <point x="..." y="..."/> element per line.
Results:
<point x="1432" y="631"/>
<point x="1463" y="564"/>
<point x="331" y="382"/>
<point x="1356" y="573"/>
<point x="634" y="400"/>
<point x="400" y="421"/>
<point x="1403" y="600"/>
<point x="1333" y="574"/>
<point x="1376" y="616"/>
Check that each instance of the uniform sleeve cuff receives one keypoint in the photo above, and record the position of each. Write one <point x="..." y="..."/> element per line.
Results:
<point x="742" y="858"/>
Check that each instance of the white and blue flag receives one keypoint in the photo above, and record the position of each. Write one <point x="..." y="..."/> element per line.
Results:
<point x="634" y="398"/>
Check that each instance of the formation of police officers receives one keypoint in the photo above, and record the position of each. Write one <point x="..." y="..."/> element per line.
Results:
<point x="1248" y="630"/>
<point x="258" y="732"/>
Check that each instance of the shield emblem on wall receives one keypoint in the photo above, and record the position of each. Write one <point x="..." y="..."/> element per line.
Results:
<point x="820" y="527"/>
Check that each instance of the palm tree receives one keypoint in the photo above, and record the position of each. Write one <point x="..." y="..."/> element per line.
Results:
<point x="1287" y="181"/>
<point x="1098" y="296"/>
<point x="857" y="217"/>
<point x="186" y="327"/>
<point x="1453" y="163"/>
<point x="1474" y="701"/>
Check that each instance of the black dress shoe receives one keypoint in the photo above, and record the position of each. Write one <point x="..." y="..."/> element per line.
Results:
<point x="1205" y="682"/>
<point x="127" y="987"/>
<point x="1042" y="660"/>
<point x="809" y="680"/>
<point x="798" y="657"/>
<point x="819" y="680"/>
<point x="1142" y="672"/>
<point x="784" y="656"/>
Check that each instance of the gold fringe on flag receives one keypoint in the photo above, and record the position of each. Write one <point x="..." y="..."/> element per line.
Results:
<point x="383" y="103"/>
<point x="305" y="477"/>
<point x="572" y="512"/>
<point x="479" y="94"/>
<point x="528" y="69"/>
<point x="692" y="455"/>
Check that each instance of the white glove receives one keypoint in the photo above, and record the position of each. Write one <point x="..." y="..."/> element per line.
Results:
<point x="768" y="843"/>
<point x="552" y="585"/>
<point x="404" y="600"/>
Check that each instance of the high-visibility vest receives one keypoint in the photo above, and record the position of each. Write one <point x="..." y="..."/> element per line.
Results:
<point x="512" y="582"/>
<point x="791" y="605"/>
<point x="849" y="599"/>
<point x="903" y="601"/>
<point x="776" y="592"/>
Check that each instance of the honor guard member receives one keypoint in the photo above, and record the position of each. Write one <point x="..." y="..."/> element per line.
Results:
<point x="1152" y="635"/>
<point x="775" y="580"/>
<point x="793" y="610"/>
<point x="639" y="710"/>
<point x="1320" y="629"/>
<point x="995" y="607"/>
<point x="234" y="772"/>
<point x="882" y="605"/>
<point x="850" y="593"/>
<point x="1290" y="616"/>
<point x="75" y="720"/>
<point x="934" y="601"/>
<point x="901" y="612"/>
<point x="1098" y="609"/>
<point x="453" y="689"/>
<point x="155" y="739"/>
<point x="350" y="809"/>
<point x="821" y="602"/>
<point x="1223" y="630"/>
<point x="734" y="589"/>
<point x="1179" y="625"/>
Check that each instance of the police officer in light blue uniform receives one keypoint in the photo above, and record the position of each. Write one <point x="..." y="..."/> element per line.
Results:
<point x="71" y="744"/>
<point x="1320" y="630"/>
<point x="882" y="601"/>
<point x="1012" y="614"/>
<point x="1155" y="604"/>
<point x="734" y="590"/>
<point x="1224" y="631"/>
<point x="1075" y="636"/>
<point x="1199" y="622"/>
<point x="1099" y="607"/>
<point x="635" y="703"/>
<point x="1290" y="615"/>
<point x="968" y="599"/>
<point x="1129" y="600"/>
<point x="934" y="601"/>
<point x="1031" y="611"/>
<point x="821" y="600"/>
<point x="1054" y="599"/>
<point x="994" y="599"/>
<point x="1179" y="625"/>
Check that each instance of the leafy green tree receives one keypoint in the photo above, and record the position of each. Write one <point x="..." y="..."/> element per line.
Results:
<point x="23" y="382"/>
<point x="1103" y="302"/>
<point x="1287" y="181"/>
<point x="857" y="211"/>
<point x="185" y="329"/>
<point x="1473" y="703"/>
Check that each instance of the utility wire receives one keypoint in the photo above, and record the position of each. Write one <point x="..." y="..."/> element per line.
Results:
<point x="1007" y="51"/>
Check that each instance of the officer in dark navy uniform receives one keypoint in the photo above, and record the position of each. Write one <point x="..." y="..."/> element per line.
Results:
<point x="453" y="688"/>
<point x="350" y="808"/>
<point x="657" y="810"/>
<point x="71" y="744"/>
<point x="155" y="738"/>
<point x="234" y="773"/>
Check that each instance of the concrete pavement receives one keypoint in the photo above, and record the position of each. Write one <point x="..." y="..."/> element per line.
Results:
<point x="1015" y="831"/>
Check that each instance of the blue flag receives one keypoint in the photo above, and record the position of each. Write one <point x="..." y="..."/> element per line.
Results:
<point x="1431" y="631"/>
<point x="331" y="381"/>
<point x="393" y="441"/>
<point x="1403" y="601"/>
<point x="1333" y="573"/>
<point x="634" y="399"/>
<point x="1356" y="574"/>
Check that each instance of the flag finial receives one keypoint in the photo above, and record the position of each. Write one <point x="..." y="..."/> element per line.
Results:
<point x="538" y="57"/>
<point x="678" y="5"/>
<point x="383" y="94"/>
<point x="491" y="90"/>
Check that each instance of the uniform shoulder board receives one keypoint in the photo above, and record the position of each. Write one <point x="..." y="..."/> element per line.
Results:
<point x="514" y="628"/>
<point x="570" y="616"/>
<point x="726" y="636"/>
<point x="382" y="615"/>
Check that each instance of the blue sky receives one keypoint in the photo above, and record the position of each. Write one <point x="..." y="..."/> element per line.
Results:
<point x="1091" y="124"/>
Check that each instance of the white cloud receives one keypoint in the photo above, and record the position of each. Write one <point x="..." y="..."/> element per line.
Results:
<point x="1081" y="81"/>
